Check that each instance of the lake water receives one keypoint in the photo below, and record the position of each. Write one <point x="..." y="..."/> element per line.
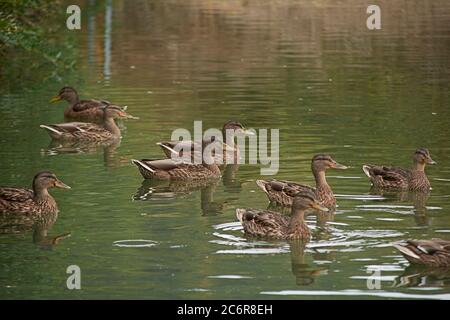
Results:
<point x="310" y="69"/>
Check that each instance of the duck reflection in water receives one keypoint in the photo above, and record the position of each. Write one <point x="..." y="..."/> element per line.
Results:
<point x="423" y="276"/>
<point x="305" y="273"/>
<point x="418" y="199"/>
<point x="111" y="156"/>
<point x="38" y="225"/>
<point x="170" y="189"/>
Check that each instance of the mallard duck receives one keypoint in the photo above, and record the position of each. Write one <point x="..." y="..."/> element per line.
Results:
<point x="230" y="152"/>
<point x="435" y="252"/>
<point x="32" y="202"/>
<point x="282" y="192"/>
<point x="81" y="131"/>
<point x="84" y="110"/>
<point x="184" y="169"/>
<point x="398" y="178"/>
<point x="274" y="225"/>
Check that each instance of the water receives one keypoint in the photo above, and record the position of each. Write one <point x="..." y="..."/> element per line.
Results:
<point x="312" y="70"/>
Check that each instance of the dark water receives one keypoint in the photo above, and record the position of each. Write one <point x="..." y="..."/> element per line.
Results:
<point x="312" y="70"/>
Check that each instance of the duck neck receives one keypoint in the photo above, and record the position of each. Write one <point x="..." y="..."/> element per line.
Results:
<point x="41" y="194"/>
<point x="321" y="180"/>
<point x="110" y="125"/>
<point x="297" y="220"/>
<point x="73" y="99"/>
<point x="419" y="167"/>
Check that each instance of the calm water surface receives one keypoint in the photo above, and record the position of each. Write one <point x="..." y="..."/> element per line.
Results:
<point x="311" y="69"/>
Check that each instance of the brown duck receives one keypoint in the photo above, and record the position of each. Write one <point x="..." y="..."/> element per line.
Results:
<point x="185" y="169"/>
<point x="273" y="225"/>
<point x="434" y="253"/>
<point x="230" y="152"/>
<point x="89" y="132"/>
<point x="398" y="178"/>
<point x="31" y="202"/>
<point x="282" y="192"/>
<point x="84" y="110"/>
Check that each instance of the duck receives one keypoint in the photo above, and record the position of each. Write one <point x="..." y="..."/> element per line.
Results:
<point x="230" y="151"/>
<point x="204" y="167"/>
<point x="84" y="110"/>
<point x="413" y="179"/>
<point x="36" y="201"/>
<point x="269" y="224"/>
<point x="433" y="253"/>
<point x="89" y="132"/>
<point x="282" y="192"/>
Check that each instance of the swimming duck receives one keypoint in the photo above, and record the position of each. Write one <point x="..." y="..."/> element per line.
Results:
<point x="273" y="225"/>
<point x="179" y="169"/>
<point x="230" y="152"/>
<point x="282" y="192"/>
<point x="413" y="179"/>
<point x="83" y="110"/>
<point x="89" y="132"/>
<point x="435" y="252"/>
<point x="31" y="202"/>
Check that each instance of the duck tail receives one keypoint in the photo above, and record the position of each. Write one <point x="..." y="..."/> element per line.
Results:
<point x="240" y="215"/>
<point x="164" y="146"/>
<point x="51" y="129"/>
<point x="366" y="168"/>
<point x="262" y="184"/>
<point x="141" y="164"/>
<point x="408" y="253"/>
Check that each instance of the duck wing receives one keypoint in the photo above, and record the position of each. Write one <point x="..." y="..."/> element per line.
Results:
<point x="387" y="176"/>
<point x="435" y="252"/>
<point x="262" y="223"/>
<point x="281" y="191"/>
<point x="83" y="105"/>
<point x="15" y="194"/>
<point x="74" y="127"/>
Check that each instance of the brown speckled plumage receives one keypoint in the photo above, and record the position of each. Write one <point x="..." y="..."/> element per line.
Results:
<point x="83" y="110"/>
<point x="413" y="179"/>
<point x="273" y="225"/>
<point x="434" y="253"/>
<point x="230" y="153"/>
<point x="31" y="202"/>
<point x="282" y="192"/>
<point x="90" y="132"/>
<point x="167" y="169"/>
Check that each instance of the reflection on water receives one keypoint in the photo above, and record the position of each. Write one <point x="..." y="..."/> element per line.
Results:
<point x="311" y="70"/>
<point x="39" y="227"/>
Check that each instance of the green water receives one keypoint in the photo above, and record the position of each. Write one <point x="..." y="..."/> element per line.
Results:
<point x="310" y="69"/>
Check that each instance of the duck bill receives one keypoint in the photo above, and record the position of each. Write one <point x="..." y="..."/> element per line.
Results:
<point x="129" y="116"/>
<point x="319" y="207"/>
<point x="339" y="166"/>
<point x="55" y="99"/>
<point x="431" y="161"/>
<point x="62" y="185"/>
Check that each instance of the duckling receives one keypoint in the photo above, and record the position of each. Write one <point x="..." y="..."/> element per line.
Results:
<point x="185" y="169"/>
<point x="31" y="202"/>
<point x="434" y="253"/>
<point x="414" y="179"/>
<point x="274" y="225"/>
<point x="282" y="192"/>
<point x="230" y="153"/>
<point x="89" y="132"/>
<point x="84" y="110"/>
